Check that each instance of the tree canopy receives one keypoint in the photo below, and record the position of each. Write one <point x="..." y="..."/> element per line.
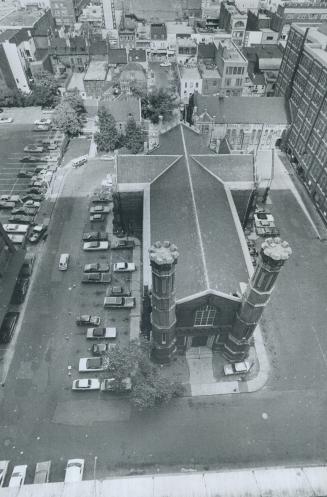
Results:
<point x="107" y="137"/>
<point x="134" y="136"/>
<point x="158" y="103"/>
<point x="149" y="388"/>
<point x="74" y="99"/>
<point x="67" y="119"/>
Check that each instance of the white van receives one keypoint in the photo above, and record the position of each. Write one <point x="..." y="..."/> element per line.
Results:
<point x="63" y="262"/>
<point x="79" y="161"/>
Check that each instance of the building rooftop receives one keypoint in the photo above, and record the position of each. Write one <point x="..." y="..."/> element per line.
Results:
<point x="178" y="28"/>
<point x="117" y="56"/>
<point x="189" y="72"/>
<point x="229" y="50"/>
<point x="97" y="71"/>
<point x="206" y="50"/>
<point x="137" y="55"/>
<point x="23" y="18"/>
<point x="191" y="206"/>
<point x="235" y="110"/>
<point x="158" y="31"/>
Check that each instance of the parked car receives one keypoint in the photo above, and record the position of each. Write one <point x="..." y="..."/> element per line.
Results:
<point x="36" y="190"/>
<point x="3" y="471"/>
<point x="6" y="120"/>
<point x="42" y="472"/>
<point x="36" y="197"/>
<point x="95" y="236"/>
<point x="19" y="239"/>
<point x="102" y="197"/>
<point x="165" y="64"/>
<point x="30" y="158"/>
<point x="28" y="264"/>
<point x="15" y="228"/>
<point x="236" y="368"/>
<point x="101" y="348"/>
<point x="110" y="385"/>
<point x="27" y="211"/>
<point x="96" y="278"/>
<point x="83" y="384"/>
<point x="118" y="291"/>
<point x="123" y="267"/>
<point x="7" y="205"/>
<point x="38" y="232"/>
<point x="32" y="203"/>
<point x="10" y="198"/>
<point x="20" y="290"/>
<point x="122" y="244"/>
<point x="87" y="319"/>
<point x="119" y="302"/>
<point x="25" y="174"/>
<point x="21" y="218"/>
<point x="100" y="209"/>
<point x="74" y="470"/>
<point x="18" y="476"/>
<point x="34" y="149"/>
<point x="97" y="267"/>
<point x="42" y="127"/>
<point x="101" y="333"/>
<point x="97" y="218"/>
<point x="87" y="364"/>
<point x="43" y="120"/>
<point x="88" y="246"/>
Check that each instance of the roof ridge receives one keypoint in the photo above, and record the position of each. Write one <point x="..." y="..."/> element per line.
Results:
<point x="177" y="158"/>
<point x="208" y="171"/>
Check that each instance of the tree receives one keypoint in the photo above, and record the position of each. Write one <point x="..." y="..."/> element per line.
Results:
<point x="73" y="98"/>
<point x="134" y="136"/>
<point x="67" y="119"/>
<point x="149" y="388"/>
<point x="107" y="137"/>
<point x="45" y="90"/>
<point x="158" y="103"/>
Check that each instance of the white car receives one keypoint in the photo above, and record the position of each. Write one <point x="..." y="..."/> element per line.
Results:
<point x="84" y="385"/>
<point x="237" y="368"/>
<point x="74" y="470"/>
<point x="123" y="267"/>
<point x="32" y="203"/>
<point x="43" y="120"/>
<point x="6" y="120"/>
<point x="90" y="364"/>
<point x="19" y="239"/>
<point x="96" y="245"/>
<point x="101" y="333"/>
<point x="15" y="228"/>
<point x="3" y="471"/>
<point x="18" y="476"/>
<point x="165" y="64"/>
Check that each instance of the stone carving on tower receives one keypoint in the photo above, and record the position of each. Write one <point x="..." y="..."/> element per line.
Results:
<point x="273" y="255"/>
<point x="163" y="260"/>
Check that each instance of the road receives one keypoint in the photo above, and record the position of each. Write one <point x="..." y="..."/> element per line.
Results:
<point x="285" y="423"/>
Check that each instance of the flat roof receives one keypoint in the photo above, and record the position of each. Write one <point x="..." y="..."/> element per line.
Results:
<point x="178" y="28"/>
<point x="189" y="72"/>
<point x="22" y="18"/>
<point x="97" y="71"/>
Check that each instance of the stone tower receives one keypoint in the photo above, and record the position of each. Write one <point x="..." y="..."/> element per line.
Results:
<point x="273" y="255"/>
<point x="163" y="259"/>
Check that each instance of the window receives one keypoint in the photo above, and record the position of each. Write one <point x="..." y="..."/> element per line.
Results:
<point x="205" y="316"/>
<point x="196" y="85"/>
<point x="164" y="338"/>
<point x="185" y="84"/>
<point x="269" y="38"/>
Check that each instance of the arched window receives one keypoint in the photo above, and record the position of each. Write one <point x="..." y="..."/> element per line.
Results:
<point x="205" y="316"/>
<point x="239" y="24"/>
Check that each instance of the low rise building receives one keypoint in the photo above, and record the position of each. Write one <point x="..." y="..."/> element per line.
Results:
<point x="233" y="20"/>
<point x="211" y="81"/>
<point x="92" y="16"/>
<point x="127" y="32"/>
<point x="97" y="78"/>
<point x="70" y="54"/>
<point x="232" y="67"/>
<point x="189" y="82"/>
<point x="122" y="108"/>
<point x="239" y="124"/>
<point x="186" y="49"/>
<point x="263" y="65"/>
<point x="297" y="12"/>
<point x="133" y="76"/>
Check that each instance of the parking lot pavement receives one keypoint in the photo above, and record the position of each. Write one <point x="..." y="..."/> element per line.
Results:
<point x="25" y="115"/>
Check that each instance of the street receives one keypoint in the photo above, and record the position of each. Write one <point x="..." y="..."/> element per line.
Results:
<point x="41" y="418"/>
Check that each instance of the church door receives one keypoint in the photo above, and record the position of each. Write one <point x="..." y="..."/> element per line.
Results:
<point x="199" y="341"/>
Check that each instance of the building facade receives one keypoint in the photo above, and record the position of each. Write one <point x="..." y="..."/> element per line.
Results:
<point x="66" y="12"/>
<point x="190" y="81"/>
<point x="297" y="12"/>
<point x="233" y="21"/>
<point x="232" y="67"/>
<point x="303" y="79"/>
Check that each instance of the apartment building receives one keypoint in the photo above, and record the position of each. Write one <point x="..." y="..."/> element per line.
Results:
<point x="303" y="79"/>
<point x="297" y="12"/>
<point x="190" y="81"/>
<point x="66" y="12"/>
<point x="232" y="67"/>
<point x="234" y="21"/>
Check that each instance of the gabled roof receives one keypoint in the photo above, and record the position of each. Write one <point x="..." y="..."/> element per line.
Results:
<point x="236" y="110"/>
<point x="193" y="208"/>
<point x="122" y="107"/>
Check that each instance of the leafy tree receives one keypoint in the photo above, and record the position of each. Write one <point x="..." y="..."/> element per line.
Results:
<point x="134" y="137"/>
<point x="107" y="138"/>
<point x="67" y="119"/>
<point x="45" y="90"/>
<point x="149" y="388"/>
<point x="74" y="99"/>
<point x="158" y="103"/>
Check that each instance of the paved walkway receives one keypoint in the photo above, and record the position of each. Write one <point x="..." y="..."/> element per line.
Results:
<point x="256" y="482"/>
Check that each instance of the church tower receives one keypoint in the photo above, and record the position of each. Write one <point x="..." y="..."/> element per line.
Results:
<point x="163" y="259"/>
<point x="273" y="255"/>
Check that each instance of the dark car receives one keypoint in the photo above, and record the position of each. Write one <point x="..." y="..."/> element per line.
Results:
<point x="96" y="278"/>
<point x="21" y="218"/>
<point x="8" y="326"/>
<point x="35" y="190"/>
<point x="20" y="290"/>
<point x="95" y="236"/>
<point x="118" y="291"/>
<point x="30" y="158"/>
<point x="37" y="197"/>
<point x="28" y="264"/>
<point x="122" y="244"/>
<point x="99" y="348"/>
<point x="25" y="174"/>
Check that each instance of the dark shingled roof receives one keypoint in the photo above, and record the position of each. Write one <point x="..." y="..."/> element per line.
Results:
<point x="117" y="56"/>
<point x="235" y="110"/>
<point x="206" y="51"/>
<point x="228" y="168"/>
<point x="142" y="168"/>
<point x="122" y="107"/>
<point x="137" y="55"/>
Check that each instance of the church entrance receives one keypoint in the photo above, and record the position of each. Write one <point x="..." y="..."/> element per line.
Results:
<point x="199" y="341"/>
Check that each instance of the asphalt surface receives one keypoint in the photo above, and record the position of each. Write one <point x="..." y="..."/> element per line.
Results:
<point x="41" y="418"/>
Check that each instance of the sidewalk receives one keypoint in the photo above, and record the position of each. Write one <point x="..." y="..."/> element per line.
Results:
<point x="309" y="481"/>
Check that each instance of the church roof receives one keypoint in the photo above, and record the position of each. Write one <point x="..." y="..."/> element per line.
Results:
<point x="194" y="209"/>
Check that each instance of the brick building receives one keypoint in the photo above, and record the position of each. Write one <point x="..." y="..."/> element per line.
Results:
<point x="233" y="21"/>
<point x="293" y="12"/>
<point x="185" y="194"/>
<point x="303" y="79"/>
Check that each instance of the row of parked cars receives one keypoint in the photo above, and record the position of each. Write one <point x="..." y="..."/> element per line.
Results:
<point x="73" y="472"/>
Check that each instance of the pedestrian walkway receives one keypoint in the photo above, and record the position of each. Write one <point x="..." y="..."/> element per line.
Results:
<point x="310" y="481"/>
